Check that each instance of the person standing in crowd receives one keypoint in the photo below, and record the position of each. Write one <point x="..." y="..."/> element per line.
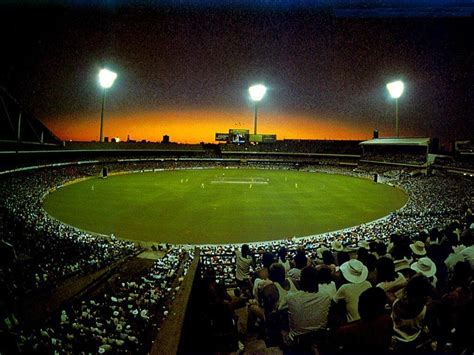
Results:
<point x="244" y="261"/>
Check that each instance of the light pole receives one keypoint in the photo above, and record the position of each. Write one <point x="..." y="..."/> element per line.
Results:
<point x="396" y="90"/>
<point x="106" y="80"/>
<point x="257" y="92"/>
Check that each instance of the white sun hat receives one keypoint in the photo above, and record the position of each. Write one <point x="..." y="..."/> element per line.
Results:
<point x="354" y="271"/>
<point x="425" y="266"/>
<point x="418" y="248"/>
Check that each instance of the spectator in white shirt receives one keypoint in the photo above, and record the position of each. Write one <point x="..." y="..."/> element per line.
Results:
<point x="356" y="274"/>
<point x="243" y="262"/>
<point x="308" y="309"/>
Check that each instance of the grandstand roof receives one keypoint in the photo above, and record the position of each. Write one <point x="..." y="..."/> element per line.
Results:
<point x="398" y="141"/>
<point x="27" y="129"/>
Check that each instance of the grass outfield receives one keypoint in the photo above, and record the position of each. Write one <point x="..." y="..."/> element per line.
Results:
<point x="221" y="205"/>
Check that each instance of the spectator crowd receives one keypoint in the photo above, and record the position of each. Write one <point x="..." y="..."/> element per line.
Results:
<point x="403" y="282"/>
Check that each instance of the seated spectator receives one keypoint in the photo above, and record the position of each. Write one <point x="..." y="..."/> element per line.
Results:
<point x="308" y="309"/>
<point x="426" y="267"/>
<point x="460" y="292"/>
<point x="272" y="297"/>
<point x="362" y="254"/>
<point x="457" y="307"/>
<point x="326" y="283"/>
<point x="274" y="294"/>
<point x="409" y="311"/>
<point x="403" y="266"/>
<point x="217" y="317"/>
<point x="381" y="250"/>
<point x="282" y="258"/>
<point x="261" y="276"/>
<point x="435" y="236"/>
<point x="356" y="274"/>
<point x="365" y="244"/>
<point x="468" y="252"/>
<point x="255" y="309"/>
<point x="388" y="279"/>
<point x="395" y="239"/>
<point x="418" y="249"/>
<point x="319" y="254"/>
<point x="328" y="261"/>
<point x="337" y="246"/>
<point x="342" y="257"/>
<point x="454" y="255"/>
<point x="301" y="261"/>
<point x="438" y="254"/>
<point x="371" y="263"/>
<point x="274" y="305"/>
<point x="373" y="332"/>
<point x="423" y="236"/>
<point x="401" y="249"/>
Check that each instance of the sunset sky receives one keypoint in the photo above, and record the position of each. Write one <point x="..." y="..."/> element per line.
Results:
<point x="191" y="126"/>
<point x="184" y="71"/>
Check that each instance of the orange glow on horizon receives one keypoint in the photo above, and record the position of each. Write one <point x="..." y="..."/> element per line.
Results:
<point x="194" y="126"/>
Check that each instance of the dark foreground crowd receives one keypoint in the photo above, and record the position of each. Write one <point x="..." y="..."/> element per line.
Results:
<point x="409" y="295"/>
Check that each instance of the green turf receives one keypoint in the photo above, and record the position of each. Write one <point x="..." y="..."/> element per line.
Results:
<point x="172" y="206"/>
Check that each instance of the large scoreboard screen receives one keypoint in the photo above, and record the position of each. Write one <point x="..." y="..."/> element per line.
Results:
<point x="238" y="136"/>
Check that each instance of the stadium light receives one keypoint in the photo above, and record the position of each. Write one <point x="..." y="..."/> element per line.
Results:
<point x="395" y="89"/>
<point x="106" y="80"/>
<point x="257" y="92"/>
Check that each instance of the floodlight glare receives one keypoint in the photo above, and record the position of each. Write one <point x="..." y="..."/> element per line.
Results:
<point x="257" y="92"/>
<point x="107" y="78"/>
<point x="395" y="89"/>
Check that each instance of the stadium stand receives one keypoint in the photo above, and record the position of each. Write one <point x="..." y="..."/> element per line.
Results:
<point x="429" y="242"/>
<point x="404" y="151"/>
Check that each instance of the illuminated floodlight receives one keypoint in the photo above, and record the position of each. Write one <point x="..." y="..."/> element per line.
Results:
<point x="396" y="89"/>
<point x="107" y="78"/>
<point x="257" y="92"/>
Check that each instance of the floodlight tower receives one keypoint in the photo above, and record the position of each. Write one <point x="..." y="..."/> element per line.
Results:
<point x="257" y="92"/>
<point x="106" y="80"/>
<point x="396" y="90"/>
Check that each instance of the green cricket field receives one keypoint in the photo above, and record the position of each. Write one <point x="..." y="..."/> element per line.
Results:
<point x="219" y="206"/>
